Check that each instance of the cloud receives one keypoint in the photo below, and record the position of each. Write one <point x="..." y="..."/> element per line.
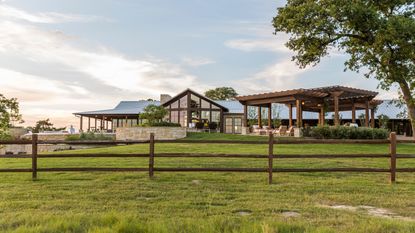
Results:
<point x="282" y="75"/>
<point x="53" y="72"/>
<point x="8" y="12"/>
<point x="250" y="45"/>
<point x="197" y="61"/>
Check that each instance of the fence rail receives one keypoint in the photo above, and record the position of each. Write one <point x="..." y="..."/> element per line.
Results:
<point x="271" y="156"/>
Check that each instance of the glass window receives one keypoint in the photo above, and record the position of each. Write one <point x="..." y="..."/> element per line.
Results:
<point x="205" y="116"/>
<point x="237" y="125"/>
<point x="183" y="102"/>
<point x="195" y="102"/>
<point x="228" y="125"/>
<point x="175" y="104"/>
<point x="215" y="107"/>
<point x="216" y="116"/>
<point x="183" y="118"/>
<point x="175" y="116"/>
<point x="205" y="104"/>
<point x="195" y="116"/>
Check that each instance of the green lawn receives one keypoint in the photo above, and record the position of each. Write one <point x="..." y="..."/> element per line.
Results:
<point x="208" y="202"/>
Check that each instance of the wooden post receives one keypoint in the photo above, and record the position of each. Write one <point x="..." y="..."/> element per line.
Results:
<point x="372" y="118"/>
<point x="290" y="109"/>
<point x="367" y="114"/>
<point x="298" y="113"/>
<point x="89" y="124"/>
<point x="322" y="115"/>
<point x="392" y="149"/>
<point x="270" y="156"/>
<point x="151" y="157"/>
<point x="96" y="124"/>
<point x="336" y="111"/>
<point x="34" y="156"/>
<point x="259" y="117"/>
<point x="245" y="115"/>
<point x="269" y="115"/>
<point x="81" y="125"/>
<point x="353" y="112"/>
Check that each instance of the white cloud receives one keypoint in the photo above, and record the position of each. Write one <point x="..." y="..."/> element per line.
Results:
<point x="8" y="12"/>
<point x="197" y="61"/>
<point x="249" y="45"/>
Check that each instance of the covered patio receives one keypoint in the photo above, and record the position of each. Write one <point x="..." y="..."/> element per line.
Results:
<point x="319" y="100"/>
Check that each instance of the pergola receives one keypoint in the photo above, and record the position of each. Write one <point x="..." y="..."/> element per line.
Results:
<point x="319" y="100"/>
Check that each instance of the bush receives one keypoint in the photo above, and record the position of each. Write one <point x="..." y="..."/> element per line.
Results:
<point x="200" y="125"/>
<point x="213" y="125"/>
<point x="160" y="124"/>
<point x="89" y="136"/>
<point x="343" y="132"/>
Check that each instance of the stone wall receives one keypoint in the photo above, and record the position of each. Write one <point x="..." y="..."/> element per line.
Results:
<point x="48" y="136"/>
<point x="143" y="133"/>
<point x="42" y="148"/>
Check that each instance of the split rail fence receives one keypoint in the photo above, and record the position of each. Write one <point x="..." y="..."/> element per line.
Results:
<point x="392" y="156"/>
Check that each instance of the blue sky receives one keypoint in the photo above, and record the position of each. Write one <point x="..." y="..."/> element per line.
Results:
<point x="59" y="57"/>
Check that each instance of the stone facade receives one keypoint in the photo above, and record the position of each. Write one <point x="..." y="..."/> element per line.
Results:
<point x="48" y="136"/>
<point x="43" y="148"/>
<point x="143" y="133"/>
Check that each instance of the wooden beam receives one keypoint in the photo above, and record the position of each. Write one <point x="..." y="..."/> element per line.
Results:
<point x="372" y="118"/>
<point x="269" y="115"/>
<point x="89" y="123"/>
<point x="245" y="115"/>
<point x="270" y="100"/>
<point x="353" y="112"/>
<point x="322" y="115"/>
<point x="81" y="125"/>
<point x="290" y="108"/>
<point x="259" y="117"/>
<point x="367" y="114"/>
<point x="298" y="114"/>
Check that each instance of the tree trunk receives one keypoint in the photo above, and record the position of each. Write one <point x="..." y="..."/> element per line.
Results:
<point x="410" y="103"/>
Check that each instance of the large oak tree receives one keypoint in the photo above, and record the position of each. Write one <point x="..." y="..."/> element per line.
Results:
<point x="377" y="35"/>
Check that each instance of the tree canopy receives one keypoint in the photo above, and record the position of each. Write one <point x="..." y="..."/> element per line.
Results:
<point x="9" y="114"/>
<point x="153" y="113"/>
<point x="377" y="35"/>
<point x="44" y="125"/>
<point x="221" y="93"/>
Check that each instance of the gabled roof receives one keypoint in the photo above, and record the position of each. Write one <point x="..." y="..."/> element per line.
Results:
<point x="183" y="93"/>
<point x="123" y="108"/>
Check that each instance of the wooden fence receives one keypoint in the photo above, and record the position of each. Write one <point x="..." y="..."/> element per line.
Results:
<point x="271" y="157"/>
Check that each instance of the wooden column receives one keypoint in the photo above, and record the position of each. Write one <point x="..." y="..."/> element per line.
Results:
<point x="81" y="125"/>
<point x="392" y="150"/>
<point x="151" y="157"/>
<point x="353" y="112"/>
<point x="298" y="113"/>
<point x="34" y="156"/>
<point x="372" y="118"/>
<point x="89" y="123"/>
<point x="269" y="115"/>
<point x="189" y="110"/>
<point x="290" y="113"/>
<point x="322" y="120"/>
<point x="336" y="111"/>
<point x="367" y="114"/>
<point x="96" y="122"/>
<point x="259" y="117"/>
<point x="245" y="115"/>
<point x="270" y="156"/>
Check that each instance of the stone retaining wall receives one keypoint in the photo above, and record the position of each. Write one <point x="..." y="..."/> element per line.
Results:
<point x="143" y="133"/>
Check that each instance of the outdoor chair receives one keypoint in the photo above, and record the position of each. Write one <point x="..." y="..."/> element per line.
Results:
<point x="256" y="129"/>
<point x="282" y="130"/>
<point x="290" y="131"/>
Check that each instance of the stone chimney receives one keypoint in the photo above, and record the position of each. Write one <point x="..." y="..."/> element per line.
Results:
<point x="164" y="98"/>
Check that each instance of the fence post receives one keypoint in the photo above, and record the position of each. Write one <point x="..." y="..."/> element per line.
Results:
<point x="270" y="156"/>
<point x="151" y="157"/>
<point x="392" y="150"/>
<point x="34" y="156"/>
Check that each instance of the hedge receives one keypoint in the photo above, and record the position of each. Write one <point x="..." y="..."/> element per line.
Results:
<point x="345" y="132"/>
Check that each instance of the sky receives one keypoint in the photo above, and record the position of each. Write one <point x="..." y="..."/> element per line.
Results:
<point x="66" y="56"/>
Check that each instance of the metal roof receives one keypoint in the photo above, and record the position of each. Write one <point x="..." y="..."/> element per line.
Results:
<point x="137" y="107"/>
<point x="123" y="108"/>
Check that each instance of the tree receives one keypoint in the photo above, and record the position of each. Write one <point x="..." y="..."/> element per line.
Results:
<point x="378" y="36"/>
<point x="9" y="114"/>
<point x="44" y="125"/>
<point x="221" y="93"/>
<point x="383" y="121"/>
<point x="153" y="113"/>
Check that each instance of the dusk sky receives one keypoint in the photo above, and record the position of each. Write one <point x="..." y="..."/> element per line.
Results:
<point x="60" y="57"/>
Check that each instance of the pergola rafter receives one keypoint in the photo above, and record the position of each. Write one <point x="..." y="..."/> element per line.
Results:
<point x="320" y="100"/>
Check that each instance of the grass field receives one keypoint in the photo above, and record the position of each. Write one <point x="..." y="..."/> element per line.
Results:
<point x="209" y="202"/>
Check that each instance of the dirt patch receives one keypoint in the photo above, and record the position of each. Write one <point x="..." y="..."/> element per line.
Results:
<point x="290" y="214"/>
<point x="243" y="212"/>
<point x="370" y="210"/>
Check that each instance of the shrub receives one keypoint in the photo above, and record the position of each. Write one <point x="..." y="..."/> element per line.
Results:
<point x="343" y="132"/>
<point x="200" y="125"/>
<point x="213" y="125"/>
<point x="89" y="136"/>
<point x="160" y="124"/>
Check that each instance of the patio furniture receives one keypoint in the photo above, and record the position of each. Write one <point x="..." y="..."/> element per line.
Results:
<point x="290" y="131"/>
<point x="256" y="129"/>
<point x="282" y="130"/>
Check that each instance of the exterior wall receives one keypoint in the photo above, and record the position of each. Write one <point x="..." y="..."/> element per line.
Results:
<point x="43" y="148"/>
<point x="48" y="136"/>
<point x="143" y="133"/>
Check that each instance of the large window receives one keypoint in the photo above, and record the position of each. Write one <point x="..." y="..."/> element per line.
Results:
<point x="183" y="102"/>
<point x="195" y="101"/>
<point x="183" y="118"/>
<point x="174" y="116"/>
<point x="205" y="104"/>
